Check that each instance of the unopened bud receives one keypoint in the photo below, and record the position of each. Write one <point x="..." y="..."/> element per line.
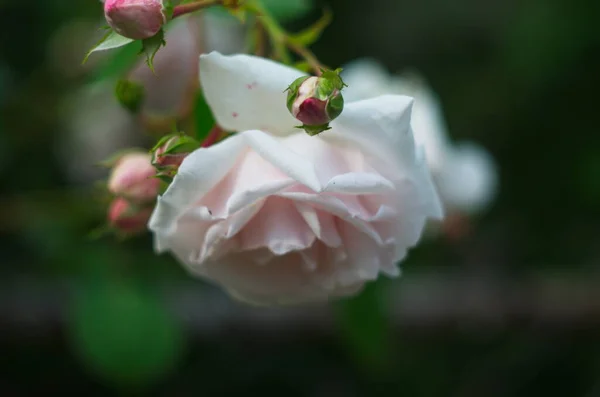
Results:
<point x="135" y="19"/>
<point x="172" y="150"/>
<point x="133" y="178"/>
<point x="316" y="101"/>
<point x="127" y="217"/>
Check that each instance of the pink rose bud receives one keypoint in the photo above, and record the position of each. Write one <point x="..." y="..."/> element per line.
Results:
<point x="135" y="19"/>
<point x="133" y="178"/>
<point x="172" y="150"/>
<point x="316" y="101"/>
<point x="126" y="217"/>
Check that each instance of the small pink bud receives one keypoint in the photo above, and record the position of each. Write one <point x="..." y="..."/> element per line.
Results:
<point x="133" y="178"/>
<point x="135" y="19"/>
<point x="126" y="217"/>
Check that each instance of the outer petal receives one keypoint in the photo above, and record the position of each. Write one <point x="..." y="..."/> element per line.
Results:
<point x="381" y="126"/>
<point x="247" y="92"/>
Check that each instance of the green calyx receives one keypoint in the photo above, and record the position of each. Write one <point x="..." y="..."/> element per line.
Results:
<point x="292" y="91"/>
<point x="313" y="130"/>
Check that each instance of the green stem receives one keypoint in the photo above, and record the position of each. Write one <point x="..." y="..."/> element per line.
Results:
<point x="191" y="7"/>
<point x="276" y="33"/>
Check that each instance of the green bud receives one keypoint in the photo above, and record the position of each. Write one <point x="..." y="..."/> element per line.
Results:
<point x="130" y="95"/>
<point x="316" y="101"/>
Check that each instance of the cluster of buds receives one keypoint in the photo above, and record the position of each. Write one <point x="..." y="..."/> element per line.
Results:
<point x="316" y="101"/>
<point x="135" y="19"/>
<point x="133" y="184"/>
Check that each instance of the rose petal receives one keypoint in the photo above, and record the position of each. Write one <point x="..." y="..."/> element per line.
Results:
<point x="247" y="92"/>
<point x="382" y="127"/>
<point x="279" y="227"/>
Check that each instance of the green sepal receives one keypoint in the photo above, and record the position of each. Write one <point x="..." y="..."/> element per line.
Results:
<point x="150" y="47"/>
<point x="292" y="91"/>
<point x="185" y="144"/>
<point x="109" y="41"/>
<point x="311" y="34"/>
<point x="334" y="77"/>
<point x="313" y="130"/>
<point x="335" y="106"/>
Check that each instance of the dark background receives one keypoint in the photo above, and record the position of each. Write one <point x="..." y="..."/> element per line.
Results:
<point x="511" y="309"/>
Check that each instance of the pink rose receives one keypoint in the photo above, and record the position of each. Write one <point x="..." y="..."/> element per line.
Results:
<point x="133" y="178"/>
<point x="276" y="216"/>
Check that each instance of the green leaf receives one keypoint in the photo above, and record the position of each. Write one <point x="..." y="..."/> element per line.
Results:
<point x="203" y="116"/>
<point x="130" y="95"/>
<point x="311" y="34"/>
<point x="123" y="334"/>
<point x="109" y="41"/>
<point x="151" y="46"/>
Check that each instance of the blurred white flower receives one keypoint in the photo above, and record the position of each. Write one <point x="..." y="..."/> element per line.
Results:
<point x="96" y="126"/>
<point x="465" y="173"/>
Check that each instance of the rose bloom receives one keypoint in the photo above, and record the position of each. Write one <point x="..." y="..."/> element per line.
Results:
<point x="465" y="173"/>
<point x="275" y="216"/>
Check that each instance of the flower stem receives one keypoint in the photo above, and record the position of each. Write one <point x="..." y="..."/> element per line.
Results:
<point x="212" y="137"/>
<point x="259" y="39"/>
<point x="191" y="7"/>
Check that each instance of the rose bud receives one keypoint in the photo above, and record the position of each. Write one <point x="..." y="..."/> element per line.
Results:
<point x="127" y="217"/>
<point x="135" y="19"/>
<point x="133" y="178"/>
<point x="171" y="150"/>
<point x="316" y="101"/>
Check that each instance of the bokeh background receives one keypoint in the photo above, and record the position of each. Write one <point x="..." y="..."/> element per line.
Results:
<point x="510" y="307"/>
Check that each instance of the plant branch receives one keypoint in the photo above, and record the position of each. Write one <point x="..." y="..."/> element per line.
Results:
<point x="191" y="7"/>
<point x="212" y="137"/>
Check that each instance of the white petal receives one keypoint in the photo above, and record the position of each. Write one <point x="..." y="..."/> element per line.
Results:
<point x="198" y="173"/>
<point x="284" y="158"/>
<point x="359" y="182"/>
<point x="277" y="226"/>
<point x="247" y="92"/>
<point x="381" y="126"/>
